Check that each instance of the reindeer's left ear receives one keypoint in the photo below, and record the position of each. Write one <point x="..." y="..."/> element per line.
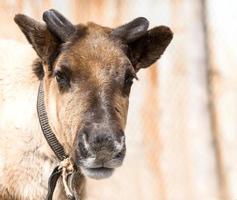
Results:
<point x="37" y="34"/>
<point x="148" y="48"/>
<point x="46" y="38"/>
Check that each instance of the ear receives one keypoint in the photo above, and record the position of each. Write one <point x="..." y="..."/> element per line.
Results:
<point x="148" y="48"/>
<point x="44" y="42"/>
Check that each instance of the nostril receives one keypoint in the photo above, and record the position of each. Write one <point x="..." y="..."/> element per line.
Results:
<point x="120" y="155"/>
<point x="82" y="150"/>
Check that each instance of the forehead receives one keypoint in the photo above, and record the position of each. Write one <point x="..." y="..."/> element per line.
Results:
<point x="95" y="50"/>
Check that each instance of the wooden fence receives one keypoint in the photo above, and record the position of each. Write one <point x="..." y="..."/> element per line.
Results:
<point x="182" y="126"/>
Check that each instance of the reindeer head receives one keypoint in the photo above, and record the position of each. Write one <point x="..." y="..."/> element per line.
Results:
<point x="88" y="71"/>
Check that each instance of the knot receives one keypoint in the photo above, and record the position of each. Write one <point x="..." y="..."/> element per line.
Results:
<point x="67" y="168"/>
<point x="67" y="164"/>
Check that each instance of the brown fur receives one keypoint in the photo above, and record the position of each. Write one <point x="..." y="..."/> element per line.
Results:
<point x="95" y="66"/>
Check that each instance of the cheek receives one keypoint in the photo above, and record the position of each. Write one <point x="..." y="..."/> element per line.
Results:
<point x="70" y="115"/>
<point x="121" y="105"/>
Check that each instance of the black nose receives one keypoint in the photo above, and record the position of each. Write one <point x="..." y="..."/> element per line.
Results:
<point x="101" y="142"/>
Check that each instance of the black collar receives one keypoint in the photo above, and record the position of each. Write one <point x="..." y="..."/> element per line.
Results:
<point x="66" y="167"/>
<point x="47" y="131"/>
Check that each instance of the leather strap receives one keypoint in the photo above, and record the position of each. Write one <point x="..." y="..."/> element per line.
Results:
<point x="53" y="182"/>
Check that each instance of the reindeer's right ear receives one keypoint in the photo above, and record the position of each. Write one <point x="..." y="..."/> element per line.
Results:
<point x="42" y="40"/>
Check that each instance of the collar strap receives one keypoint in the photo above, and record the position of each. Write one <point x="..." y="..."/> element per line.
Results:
<point x="66" y="167"/>
<point x="47" y="131"/>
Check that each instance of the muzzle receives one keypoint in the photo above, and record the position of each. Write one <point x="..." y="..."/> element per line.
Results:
<point x="100" y="150"/>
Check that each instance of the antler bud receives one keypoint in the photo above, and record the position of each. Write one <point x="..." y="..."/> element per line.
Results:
<point x="58" y="24"/>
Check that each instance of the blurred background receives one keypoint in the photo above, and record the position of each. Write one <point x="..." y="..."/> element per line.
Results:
<point x="182" y="125"/>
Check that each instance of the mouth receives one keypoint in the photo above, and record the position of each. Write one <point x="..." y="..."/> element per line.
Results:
<point x="98" y="173"/>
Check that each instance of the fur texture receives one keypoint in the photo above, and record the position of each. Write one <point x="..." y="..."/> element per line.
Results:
<point x="87" y="79"/>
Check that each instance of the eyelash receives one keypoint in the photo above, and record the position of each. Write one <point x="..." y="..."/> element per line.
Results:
<point x="128" y="82"/>
<point x="129" y="78"/>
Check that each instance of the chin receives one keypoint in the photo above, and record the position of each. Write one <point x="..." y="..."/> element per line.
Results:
<point x="98" y="173"/>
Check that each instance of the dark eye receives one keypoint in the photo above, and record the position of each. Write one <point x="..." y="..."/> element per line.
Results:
<point x="62" y="79"/>
<point x="128" y="81"/>
<point x="129" y="77"/>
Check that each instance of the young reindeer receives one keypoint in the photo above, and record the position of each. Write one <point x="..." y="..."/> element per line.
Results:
<point x="86" y="73"/>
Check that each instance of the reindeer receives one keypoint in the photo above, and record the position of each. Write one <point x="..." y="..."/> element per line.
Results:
<point x="85" y="73"/>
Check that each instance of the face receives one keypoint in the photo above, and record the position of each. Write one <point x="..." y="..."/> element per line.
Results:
<point x="88" y="99"/>
<point x="88" y="72"/>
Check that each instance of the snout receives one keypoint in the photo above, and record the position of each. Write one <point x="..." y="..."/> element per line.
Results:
<point x="100" y="150"/>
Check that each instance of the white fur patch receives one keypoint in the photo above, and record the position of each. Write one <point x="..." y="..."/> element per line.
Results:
<point x="120" y="146"/>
